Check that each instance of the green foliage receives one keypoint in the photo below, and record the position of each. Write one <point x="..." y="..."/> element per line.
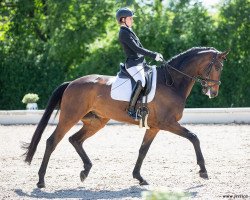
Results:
<point x="164" y="195"/>
<point x="234" y="26"/>
<point x="232" y="32"/>
<point x="46" y="42"/>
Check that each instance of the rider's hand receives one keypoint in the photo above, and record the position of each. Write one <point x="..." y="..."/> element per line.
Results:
<point x="159" y="57"/>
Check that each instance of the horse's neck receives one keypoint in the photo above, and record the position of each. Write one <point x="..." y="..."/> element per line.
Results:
<point x="180" y="82"/>
<point x="184" y="85"/>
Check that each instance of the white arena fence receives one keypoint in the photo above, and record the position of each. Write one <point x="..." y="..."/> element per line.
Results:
<point x="190" y="116"/>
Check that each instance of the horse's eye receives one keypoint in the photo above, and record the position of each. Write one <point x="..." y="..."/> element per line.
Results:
<point x="219" y="65"/>
<point x="217" y="68"/>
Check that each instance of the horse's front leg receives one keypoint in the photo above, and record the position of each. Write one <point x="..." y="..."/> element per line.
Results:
<point x="147" y="140"/>
<point x="176" y="128"/>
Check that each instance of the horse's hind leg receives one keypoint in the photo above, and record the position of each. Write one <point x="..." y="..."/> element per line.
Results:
<point x="69" y="116"/>
<point x="51" y="144"/>
<point x="92" y="124"/>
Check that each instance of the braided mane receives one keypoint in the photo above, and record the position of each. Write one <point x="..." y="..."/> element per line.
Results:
<point x="179" y="59"/>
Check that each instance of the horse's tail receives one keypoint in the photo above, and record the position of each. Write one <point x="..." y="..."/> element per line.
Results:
<point x="54" y="100"/>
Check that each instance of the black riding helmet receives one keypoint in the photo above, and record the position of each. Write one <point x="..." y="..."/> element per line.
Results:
<point x="123" y="13"/>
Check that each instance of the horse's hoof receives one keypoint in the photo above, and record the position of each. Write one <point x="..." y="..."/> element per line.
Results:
<point x="144" y="182"/>
<point x="82" y="176"/>
<point x="40" y="185"/>
<point x="203" y="175"/>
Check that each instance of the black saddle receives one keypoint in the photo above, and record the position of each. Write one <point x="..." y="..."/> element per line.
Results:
<point x="148" y="76"/>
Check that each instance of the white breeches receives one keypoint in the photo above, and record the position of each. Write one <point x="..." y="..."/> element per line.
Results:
<point x="137" y="72"/>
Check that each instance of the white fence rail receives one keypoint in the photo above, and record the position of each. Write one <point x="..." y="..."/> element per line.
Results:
<point x="190" y="115"/>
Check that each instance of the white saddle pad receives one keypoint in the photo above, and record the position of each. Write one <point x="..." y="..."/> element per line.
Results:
<point x="121" y="88"/>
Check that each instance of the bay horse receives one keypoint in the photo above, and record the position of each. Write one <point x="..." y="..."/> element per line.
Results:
<point x="88" y="99"/>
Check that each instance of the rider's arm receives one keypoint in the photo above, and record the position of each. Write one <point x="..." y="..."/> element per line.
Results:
<point x="129" y="40"/>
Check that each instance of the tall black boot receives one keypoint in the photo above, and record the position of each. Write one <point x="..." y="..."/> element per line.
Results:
<point x="134" y="97"/>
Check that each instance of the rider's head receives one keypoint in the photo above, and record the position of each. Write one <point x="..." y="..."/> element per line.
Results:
<point x="124" y="16"/>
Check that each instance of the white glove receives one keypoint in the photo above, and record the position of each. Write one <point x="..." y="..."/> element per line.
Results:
<point x="159" y="57"/>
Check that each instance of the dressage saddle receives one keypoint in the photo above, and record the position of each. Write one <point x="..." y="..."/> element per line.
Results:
<point x="148" y="77"/>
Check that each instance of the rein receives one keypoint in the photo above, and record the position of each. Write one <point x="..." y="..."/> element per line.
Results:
<point x="203" y="81"/>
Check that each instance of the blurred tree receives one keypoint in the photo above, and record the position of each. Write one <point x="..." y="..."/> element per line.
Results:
<point x="45" y="42"/>
<point x="46" y="39"/>
<point x="233" y="33"/>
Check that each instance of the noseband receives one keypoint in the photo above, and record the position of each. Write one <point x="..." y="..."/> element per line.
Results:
<point x="203" y="81"/>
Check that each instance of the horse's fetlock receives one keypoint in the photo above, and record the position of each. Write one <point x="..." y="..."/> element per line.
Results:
<point x="135" y="174"/>
<point x="41" y="173"/>
<point x="88" y="166"/>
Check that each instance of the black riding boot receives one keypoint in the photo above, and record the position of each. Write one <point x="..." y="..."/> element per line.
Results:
<point x="134" y="97"/>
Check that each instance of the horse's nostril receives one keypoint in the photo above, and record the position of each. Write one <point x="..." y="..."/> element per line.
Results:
<point x="214" y="94"/>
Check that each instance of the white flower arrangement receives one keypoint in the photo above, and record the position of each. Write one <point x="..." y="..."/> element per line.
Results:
<point x="30" y="98"/>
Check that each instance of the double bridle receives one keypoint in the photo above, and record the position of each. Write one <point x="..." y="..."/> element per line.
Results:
<point x="203" y="81"/>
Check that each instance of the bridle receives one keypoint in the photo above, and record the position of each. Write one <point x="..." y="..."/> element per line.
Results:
<point x="204" y="81"/>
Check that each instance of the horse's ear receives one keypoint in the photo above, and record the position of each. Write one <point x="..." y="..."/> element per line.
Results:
<point x="223" y="55"/>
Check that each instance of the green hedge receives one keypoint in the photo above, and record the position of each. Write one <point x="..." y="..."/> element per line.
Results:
<point x="42" y="45"/>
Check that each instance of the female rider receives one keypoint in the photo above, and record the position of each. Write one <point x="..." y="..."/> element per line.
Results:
<point x="135" y="53"/>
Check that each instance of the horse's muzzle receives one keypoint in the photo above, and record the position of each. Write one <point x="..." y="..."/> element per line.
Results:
<point x="209" y="92"/>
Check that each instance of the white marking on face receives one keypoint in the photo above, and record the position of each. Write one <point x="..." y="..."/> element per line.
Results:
<point x="209" y="93"/>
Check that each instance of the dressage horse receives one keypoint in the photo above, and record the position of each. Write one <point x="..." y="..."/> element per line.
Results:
<point x="88" y="99"/>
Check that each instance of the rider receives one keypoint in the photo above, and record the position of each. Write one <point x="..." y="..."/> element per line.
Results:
<point x="135" y="61"/>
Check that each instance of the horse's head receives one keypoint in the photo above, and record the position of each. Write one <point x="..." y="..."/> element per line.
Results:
<point x="210" y="72"/>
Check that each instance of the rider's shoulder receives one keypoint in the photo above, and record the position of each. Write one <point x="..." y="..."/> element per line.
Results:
<point x="124" y="32"/>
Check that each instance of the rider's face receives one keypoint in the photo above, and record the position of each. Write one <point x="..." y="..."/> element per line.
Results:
<point x="129" y="21"/>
